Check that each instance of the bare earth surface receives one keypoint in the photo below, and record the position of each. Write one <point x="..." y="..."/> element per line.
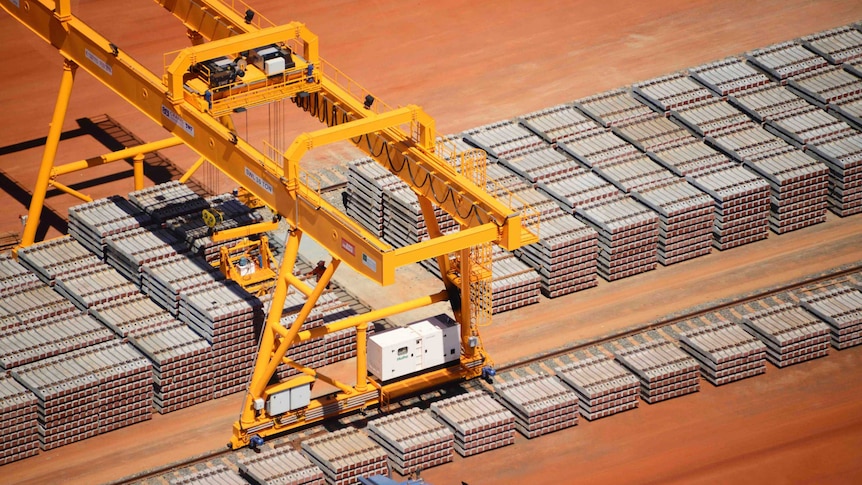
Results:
<point x="468" y="64"/>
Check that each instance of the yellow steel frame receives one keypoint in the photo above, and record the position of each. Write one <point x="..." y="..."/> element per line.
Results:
<point x="409" y="153"/>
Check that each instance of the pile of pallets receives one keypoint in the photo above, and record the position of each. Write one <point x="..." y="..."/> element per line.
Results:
<point x="168" y="200"/>
<point x="91" y="223"/>
<point x="18" y="437"/>
<point x="345" y="455"/>
<point x="628" y="237"/>
<point x="127" y="251"/>
<point x="479" y="422"/>
<point x="725" y="351"/>
<point x="664" y="370"/>
<point x="230" y="320"/>
<point x="88" y="391"/>
<point x="413" y="439"/>
<point x="540" y="402"/>
<point x="791" y="334"/>
<point x="841" y="308"/>
<point x="603" y="386"/>
<point x="195" y="233"/>
<point x="165" y="280"/>
<point x="59" y="256"/>
<point x="283" y="465"/>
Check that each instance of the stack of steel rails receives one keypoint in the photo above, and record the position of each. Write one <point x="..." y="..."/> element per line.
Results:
<point x="282" y="465"/>
<point x="664" y="370"/>
<point x="193" y="230"/>
<point x="413" y="439"/>
<point x="503" y="139"/>
<point x="88" y="391"/>
<point x="166" y="280"/>
<point x="791" y="333"/>
<point x="367" y="182"/>
<point x="841" y="308"/>
<point x="55" y="257"/>
<point x="129" y="250"/>
<point x="18" y="437"/>
<point x="603" y="386"/>
<point x="230" y="319"/>
<point x="91" y="223"/>
<point x="540" y="402"/>
<point x="345" y="455"/>
<point x="218" y="474"/>
<point x="479" y="422"/>
<point x="725" y="351"/>
<point x="168" y="200"/>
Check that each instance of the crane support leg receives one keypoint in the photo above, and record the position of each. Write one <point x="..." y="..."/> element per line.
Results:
<point x="138" y="166"/>
<point x="55" y="129"/>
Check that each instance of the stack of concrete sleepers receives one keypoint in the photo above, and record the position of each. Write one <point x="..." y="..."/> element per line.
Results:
<point x="59" y="256"/>
<point x="367" y="182"/>
<point x="841" y="309"/>
<point x="540" y="402"/>
<point x="165" y="280"/>
<point x="230" y="319"/>
<point x="671" y="92"/>
<point x="218" y="474"/>
<point x="603" y="386"/>
<point x="88" y="391"/>
<point x="413" y="439"/>
<point x="540" y="164"/>
<point x="32" y="303"/>
<point x="479" y="422"/>
<point x="664" y="370"/>
<point x="168" y="200"/>
<point x="91" y="286"/>
<point x="28" y="342"/>
<point x="345" y="455"/>
<point x="504" y="139"/>
<point x="581" y="188"/>
<point x="615" y="108"/>
<point x="514" y="284"/>
<point x="283" y="465"/>
<point x="835" y="88"/>
<point x="560" y="123"/>
<point x="94" y="221"/>
<point x="404" y="223"/>
<point x="14" y="276"/>
<point x="181" y="358"/>
<point x="784" y="60"/>
<point x="791" y="334"/>
<point x="129" y="250"/>
<point x="195" y="234"/>
<point x="628" y="237"/>
<point x="725" y="351"/>
<point x="838" y="45"/>
<point x="18" y="435"/>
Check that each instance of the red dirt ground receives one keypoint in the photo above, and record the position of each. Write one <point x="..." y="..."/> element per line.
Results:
<point x="468" y="64"/>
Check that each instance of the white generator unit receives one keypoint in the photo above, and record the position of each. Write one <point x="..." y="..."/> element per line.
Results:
<point x="418" y="346"/>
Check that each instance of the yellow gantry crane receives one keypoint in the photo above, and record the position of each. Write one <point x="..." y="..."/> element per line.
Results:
<point x="239" y="60"/>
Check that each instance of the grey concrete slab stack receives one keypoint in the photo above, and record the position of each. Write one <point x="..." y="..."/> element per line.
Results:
<point x="230" y="319"/>
<point x="166" y="280"/>
<point x="503" y="139"/>
<point x="841" y="309"/>
<point x="282" y="466"/>
<point x="182" y="360"/>
<point x="367" y="182"/>
<point x="664" y="370"/>
<point x="94" y="221"/>
<point x="60" y="256"/>
<point x="603" y="386"/>
<point x="29" y="342"/>
<point x="18" y="438"/>
<point x="628" y="237"/>
<point x="346" y="454"/>
<point x="540" y="402"/>
<point x="725" y="351"/>
<point x="168" y="200"/>
<point x="220" y="474"/>
<point x="193" y="231"/>
<point x="791" y="333"/>
<point x="479" y="422"/>
<point x="129" y="250"/>
<point x="413" y="440"/>
<point x="88" y="391"/>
